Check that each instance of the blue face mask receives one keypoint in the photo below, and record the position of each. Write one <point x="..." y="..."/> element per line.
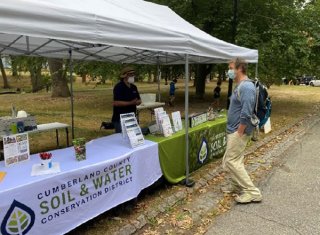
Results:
<point x="231" y="74"/>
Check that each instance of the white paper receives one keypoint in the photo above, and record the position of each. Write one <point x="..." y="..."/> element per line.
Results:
<point x="16" y="148"/>
<point x="267" y="126"/>
<point x="177" y="122"/>
<point x="131" y="129"/>
<point x="38" y="169"/>
<point x="123" y="117"/>
<point x="161" y="115"/>
<point x="156" y="113"/>
<point x="153" y="128"/>
<point x="166" y="126"/>
<point x="135" y="135"/>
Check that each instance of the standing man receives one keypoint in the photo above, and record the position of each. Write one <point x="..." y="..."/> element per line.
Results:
<point x="125" y="96"/>
<point x="239" y="130"/>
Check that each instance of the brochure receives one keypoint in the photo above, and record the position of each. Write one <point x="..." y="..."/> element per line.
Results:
<point x="16" y="149"/>
<point x="124" y="117"/>
<point x="134" y="134"/>
<point x="161" y="115"/>
<point x="177" y="122"/>
<point x="157" y="111"/>
<point x="166" y="125"/>
<point x="131" y="129"/>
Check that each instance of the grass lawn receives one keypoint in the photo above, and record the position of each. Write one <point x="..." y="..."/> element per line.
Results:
<point x="94" y="104"/>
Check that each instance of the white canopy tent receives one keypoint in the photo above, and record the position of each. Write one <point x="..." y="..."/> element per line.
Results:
<point x="119" y="31"/>
<point x="122" y="31"/>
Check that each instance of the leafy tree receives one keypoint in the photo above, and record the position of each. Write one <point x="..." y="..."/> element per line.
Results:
<point x="34" y="66"/>
<point x="286" y="33"/>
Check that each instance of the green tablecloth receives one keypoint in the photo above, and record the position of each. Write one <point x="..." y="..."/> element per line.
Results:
<point x="172" y="149"/>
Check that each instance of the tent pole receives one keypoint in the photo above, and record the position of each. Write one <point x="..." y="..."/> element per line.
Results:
<point x="71" y="92"/>
<point x="256" y="75"/>
<point x="159" y="80"/>
<point x="188" y="182"/>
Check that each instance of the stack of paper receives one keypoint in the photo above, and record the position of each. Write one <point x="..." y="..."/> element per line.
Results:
<point x="177" y="122"/>
<point x="163" y="122"/>
<point x="158" y="112"/>
<point x="166" y="125"/>
<point x="131" y="129"/>
<point x="38" y="169"/>
<point x="123" y="118"/>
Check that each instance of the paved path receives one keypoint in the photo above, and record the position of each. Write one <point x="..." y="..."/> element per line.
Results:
<point x="291" y="202"/>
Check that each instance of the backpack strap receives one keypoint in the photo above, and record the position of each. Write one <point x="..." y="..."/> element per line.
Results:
<point x="256" y="85"/>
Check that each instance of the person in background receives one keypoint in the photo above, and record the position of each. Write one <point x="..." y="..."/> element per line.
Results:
<point x="125" y="96"/>
<point x="172" y="92"/>
<point x="216" y="95"/>
<point x="239" y="131"/>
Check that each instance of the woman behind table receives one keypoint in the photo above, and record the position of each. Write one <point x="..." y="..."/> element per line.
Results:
<point x="125" y="96"/>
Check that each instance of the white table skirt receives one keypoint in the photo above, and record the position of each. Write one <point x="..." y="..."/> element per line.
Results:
<point x="55" y="204"/>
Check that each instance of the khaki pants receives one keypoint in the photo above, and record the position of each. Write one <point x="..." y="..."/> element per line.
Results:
<point x="233" y="161"/>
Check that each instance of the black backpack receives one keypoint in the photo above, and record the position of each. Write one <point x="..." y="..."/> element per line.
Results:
<point x="263" y="103"/>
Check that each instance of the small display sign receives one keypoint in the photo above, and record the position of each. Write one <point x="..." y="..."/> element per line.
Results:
<point x="198" y="119"/>
<point x="16" y="148"/>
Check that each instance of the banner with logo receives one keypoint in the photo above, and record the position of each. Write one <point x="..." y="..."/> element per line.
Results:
<point x="56" y="204"/>
<point x="207" y="144"/>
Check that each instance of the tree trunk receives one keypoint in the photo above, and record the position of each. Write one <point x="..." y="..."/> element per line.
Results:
<point x="34" y="66"/>
<point x="166" y="75"/>
<point x="202" y="72"/>
<point x="59" y="82"/>
<point x="149" y="76"/>
<point x="4" y="76"/>
<point x="196" y="75"/>
<point x="155" y="77"/>
<point x="14" y="66"/>
<point x="36" y="79"/>
<point x="84" y="78"/>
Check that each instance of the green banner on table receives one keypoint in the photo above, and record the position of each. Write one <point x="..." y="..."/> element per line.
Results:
<point x="206" y="141"/>
<point x="206" y="144"/>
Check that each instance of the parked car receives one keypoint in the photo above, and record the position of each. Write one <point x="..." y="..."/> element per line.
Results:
<point x="305" y="79"/>
<point x="315" y="82"/>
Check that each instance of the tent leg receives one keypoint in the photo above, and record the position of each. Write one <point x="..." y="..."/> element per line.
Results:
<point x="188" y="182"/>
<point x="159" y="80"/>
<point x="256" y="75"/>
<point x="71" y="91"/>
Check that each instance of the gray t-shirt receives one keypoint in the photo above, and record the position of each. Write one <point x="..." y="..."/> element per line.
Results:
<point x="242" y="103"/>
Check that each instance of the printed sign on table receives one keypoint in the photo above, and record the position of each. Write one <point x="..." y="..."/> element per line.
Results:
<point x="16" y="149"/>
<point x="74" y="197"/>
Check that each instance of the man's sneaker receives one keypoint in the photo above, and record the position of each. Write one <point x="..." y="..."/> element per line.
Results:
<point x="231" y="188"/>
<point x="247" y="198"/>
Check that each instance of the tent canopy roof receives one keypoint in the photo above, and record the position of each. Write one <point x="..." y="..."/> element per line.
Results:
<point x="120" y="31"/>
